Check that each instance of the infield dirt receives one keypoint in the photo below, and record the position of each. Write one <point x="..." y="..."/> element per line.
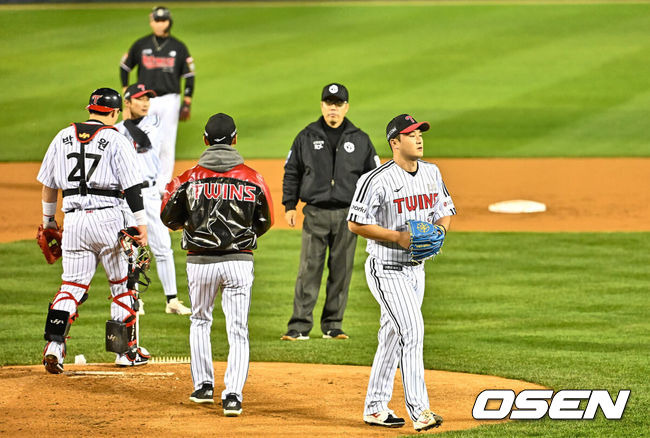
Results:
<point x="303" y="399"/>
<point x="593" y="194"/>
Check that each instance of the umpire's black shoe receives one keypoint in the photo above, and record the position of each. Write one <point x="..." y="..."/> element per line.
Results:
<point x="231" y="405"/>
<point x="294" y="335"/>
<point x="205" y="394"/>
<point x="335" y="334"/>
<point x="52" y="364"/>
<point x="383" y="418"/>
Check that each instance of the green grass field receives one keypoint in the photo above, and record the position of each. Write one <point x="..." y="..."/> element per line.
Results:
<point x="496" y="80"/>
<point x="564" y="310"/>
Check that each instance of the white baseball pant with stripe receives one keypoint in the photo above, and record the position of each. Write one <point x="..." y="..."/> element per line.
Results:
<point x="235" y="278"/>
<point x="399" y="290"/>
<point x="89" y="238"/>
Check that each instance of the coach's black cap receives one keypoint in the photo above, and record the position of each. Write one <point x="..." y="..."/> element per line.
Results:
<point x="403" y="124"/>
<point x="335" y="91"/>
<point x="220" y="129"/>
<point x="137" y="90"/>
<point x="161" y="13"/>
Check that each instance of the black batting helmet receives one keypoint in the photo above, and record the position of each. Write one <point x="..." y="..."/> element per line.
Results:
<point x="104" y="100"/>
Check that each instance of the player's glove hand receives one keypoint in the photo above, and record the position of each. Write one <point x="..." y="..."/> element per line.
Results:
<point x="49" y="239"/>
<point x="426" y="240"/>
<point x="184" y="114"/>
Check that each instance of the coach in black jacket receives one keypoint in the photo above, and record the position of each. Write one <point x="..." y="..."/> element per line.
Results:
<point x="325" y="162"/>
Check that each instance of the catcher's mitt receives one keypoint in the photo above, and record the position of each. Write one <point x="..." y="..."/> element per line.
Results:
<point x="426" y="240"/>
<point x="49" y="239"/>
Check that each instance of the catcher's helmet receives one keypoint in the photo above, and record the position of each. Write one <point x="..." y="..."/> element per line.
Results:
<point x="161" y="13"/>
<point x="104" y="100"/>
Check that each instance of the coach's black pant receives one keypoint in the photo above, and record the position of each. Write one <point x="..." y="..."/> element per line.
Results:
<point x="322" y="229"/>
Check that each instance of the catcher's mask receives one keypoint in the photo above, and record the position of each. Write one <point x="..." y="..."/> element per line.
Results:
<point x="139" y="256"/>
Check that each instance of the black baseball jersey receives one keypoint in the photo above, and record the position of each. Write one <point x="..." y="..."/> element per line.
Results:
<point x="161" y="63"/>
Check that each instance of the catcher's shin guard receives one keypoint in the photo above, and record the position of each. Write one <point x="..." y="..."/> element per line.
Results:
<point x="58" y="322"/>
<point x="57" y="325"/>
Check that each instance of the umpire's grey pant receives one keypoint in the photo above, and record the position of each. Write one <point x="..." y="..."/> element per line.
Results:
<point x="322" y="229"/>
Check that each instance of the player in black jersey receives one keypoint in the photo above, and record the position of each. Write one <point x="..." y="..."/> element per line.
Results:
<point x="162" y="61"/>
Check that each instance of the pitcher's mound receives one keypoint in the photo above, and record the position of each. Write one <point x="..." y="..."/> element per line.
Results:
<point x="280" y="400"/>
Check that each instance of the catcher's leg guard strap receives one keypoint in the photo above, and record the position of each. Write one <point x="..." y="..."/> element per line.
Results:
<point x="57" y="325"/>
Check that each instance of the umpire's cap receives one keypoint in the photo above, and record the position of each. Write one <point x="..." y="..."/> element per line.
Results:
<point x="335" y="91"/>
<point x="161" y="13"/>
<point x="104" y="100"/>
<point x="403" y="124"/>
<point x="220" y="129"/>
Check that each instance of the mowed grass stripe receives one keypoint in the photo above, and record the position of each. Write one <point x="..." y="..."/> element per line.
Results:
<point x="496" y="80"/>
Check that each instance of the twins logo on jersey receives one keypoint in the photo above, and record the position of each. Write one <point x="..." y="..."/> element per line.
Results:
<point x="150" y="62"/>
<point x="411" y="203"/>
<point x="229" y="192"/>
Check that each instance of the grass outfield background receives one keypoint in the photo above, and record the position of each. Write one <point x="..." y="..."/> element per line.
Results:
<point x="564" y="310"/>
<point x="496" y="80"/>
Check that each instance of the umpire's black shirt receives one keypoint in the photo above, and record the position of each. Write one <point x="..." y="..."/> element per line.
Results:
<point x="325" y="175"/>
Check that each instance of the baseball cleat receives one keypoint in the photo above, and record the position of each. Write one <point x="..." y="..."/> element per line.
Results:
<point x="335" y="334"/>
<point x="384" y="418"/>
<point x="140" y="307"/>
<point x="231" y="406"/>
<point x="294" y="335"/>
<point x="52" y="364"/>
<point x="205" y="394"/>
<point x="142" y="357"/>
<point x="177" y="307"/>
<point x="427" y="420"/>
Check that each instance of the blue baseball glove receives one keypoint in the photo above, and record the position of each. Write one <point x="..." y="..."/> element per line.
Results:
<point x="426" y="239"/>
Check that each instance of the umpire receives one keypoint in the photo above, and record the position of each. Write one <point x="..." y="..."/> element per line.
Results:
<point x="324" y="163"/>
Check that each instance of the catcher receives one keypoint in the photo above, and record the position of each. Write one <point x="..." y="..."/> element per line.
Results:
<point x="404" y="210"/>
<point x="94" y="167"/>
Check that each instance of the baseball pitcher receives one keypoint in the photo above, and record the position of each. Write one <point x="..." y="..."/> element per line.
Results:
<point x="404" y="189"/>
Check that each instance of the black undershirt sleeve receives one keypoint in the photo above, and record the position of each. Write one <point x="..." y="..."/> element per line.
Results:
<point x="133" y="197"/>
<point x="189" y="86"/>
<point x="124" y="77"/>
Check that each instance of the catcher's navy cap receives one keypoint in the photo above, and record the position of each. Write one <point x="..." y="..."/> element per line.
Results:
<point x="161" y="13"/>
<point x="220" y="129"/>
<point x="403" y="124"/>
<point x="335" y="91"/>
<point x="104" y="100"/>
<point x="137" y="90"/>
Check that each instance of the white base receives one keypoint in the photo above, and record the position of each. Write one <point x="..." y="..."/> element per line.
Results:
<point x="517" y="206"/>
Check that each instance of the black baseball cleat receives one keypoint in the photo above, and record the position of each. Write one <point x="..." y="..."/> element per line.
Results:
<point x="335" y="334"/>
<point x="384" y="418"/>
<point x="52" y="364"/>
<point x="205" y="394"/>
<point x="231" y="406"/>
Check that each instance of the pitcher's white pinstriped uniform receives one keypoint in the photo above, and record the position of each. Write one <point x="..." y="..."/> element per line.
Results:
<point x="158" y="234"/>
<point x="89" y="234"/>
<point x="389" y="196"/>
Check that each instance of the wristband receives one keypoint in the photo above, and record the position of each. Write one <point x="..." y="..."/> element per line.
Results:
<point x="140" y="217"/>
<point x="49" y="210"/>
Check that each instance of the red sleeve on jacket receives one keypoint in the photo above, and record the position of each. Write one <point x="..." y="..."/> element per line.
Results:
<point x="173" y="185"/>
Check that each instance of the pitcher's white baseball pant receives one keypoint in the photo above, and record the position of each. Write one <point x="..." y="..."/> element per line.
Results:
<point x="399" y="290"/>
